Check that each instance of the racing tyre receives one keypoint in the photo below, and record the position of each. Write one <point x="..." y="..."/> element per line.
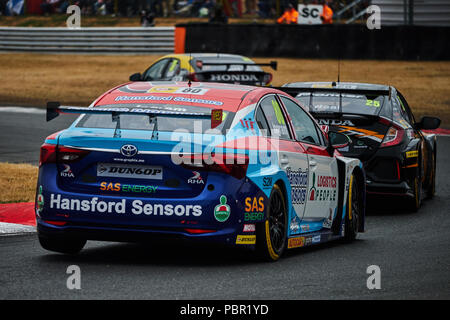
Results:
<point x="432" y="187"/>
<point x="415" y="202"/>
<point x="62" y="245"/>
<point x="271" y="235"/>
<point x="354" y="209"/>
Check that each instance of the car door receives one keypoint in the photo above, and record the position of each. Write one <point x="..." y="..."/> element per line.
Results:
<point x="292" y="158"/>
<point x="322" y="199"/>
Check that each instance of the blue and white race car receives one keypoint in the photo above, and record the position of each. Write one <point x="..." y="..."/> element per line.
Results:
<point x="237" y="165"/>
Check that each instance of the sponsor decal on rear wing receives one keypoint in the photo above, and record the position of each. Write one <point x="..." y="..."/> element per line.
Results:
<point x="294" y="91"/>
<point x="55" y="108"/>
<point x="272" y="64"/>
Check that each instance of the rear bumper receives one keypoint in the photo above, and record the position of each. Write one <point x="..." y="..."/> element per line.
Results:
<point x="226" y="237"/>
<point x="396" y="189"/>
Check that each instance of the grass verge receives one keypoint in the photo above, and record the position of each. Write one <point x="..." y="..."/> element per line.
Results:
<point x="18" y="182"/>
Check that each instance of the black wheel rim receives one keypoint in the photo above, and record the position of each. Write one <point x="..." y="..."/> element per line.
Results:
<point x="277" y="222"/>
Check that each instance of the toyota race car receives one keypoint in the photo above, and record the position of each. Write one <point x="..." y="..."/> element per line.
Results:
<point x="207" y="67"/>
<point x="399" y="159"/>
<point x="220" y="163"/>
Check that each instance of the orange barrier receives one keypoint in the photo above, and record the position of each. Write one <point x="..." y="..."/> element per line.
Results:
<point x="180" y="38"/>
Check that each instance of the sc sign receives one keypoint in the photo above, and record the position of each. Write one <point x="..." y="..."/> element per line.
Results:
<point x="309" y="14"/>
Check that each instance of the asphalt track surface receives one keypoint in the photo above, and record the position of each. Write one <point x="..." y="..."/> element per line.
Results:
<point x="411" y="250"/>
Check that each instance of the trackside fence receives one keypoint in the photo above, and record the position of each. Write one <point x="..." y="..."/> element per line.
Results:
<point x="112" y="40"/>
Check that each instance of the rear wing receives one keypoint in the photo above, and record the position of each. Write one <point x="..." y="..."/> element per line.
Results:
<point x="54" y="109"/>
<point x="272" y="64"/>
<point x="294" y="91"/>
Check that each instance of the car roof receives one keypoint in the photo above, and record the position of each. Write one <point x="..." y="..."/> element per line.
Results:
<point x="207" y="94"/>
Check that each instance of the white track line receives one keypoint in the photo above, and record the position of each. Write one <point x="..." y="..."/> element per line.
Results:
<point x="13" y="228"/>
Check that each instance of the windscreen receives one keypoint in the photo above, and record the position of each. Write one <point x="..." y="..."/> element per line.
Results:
<point x="166" y="122"/>
<point x="345" y="103"/>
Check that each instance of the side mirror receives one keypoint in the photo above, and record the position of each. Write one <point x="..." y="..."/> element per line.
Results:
<point x="136" y="77"/>
<point x="428" y="123"/>
<point x="338" y="140"/>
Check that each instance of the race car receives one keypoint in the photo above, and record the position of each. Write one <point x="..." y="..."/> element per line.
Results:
<point x="399" y="159"/>
<point x="207" y="67"/>
<point x="219" y="163"/>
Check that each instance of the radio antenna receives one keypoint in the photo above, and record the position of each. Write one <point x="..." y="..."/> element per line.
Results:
<point x="339" y="56"/>
<point x="339" y="70"/>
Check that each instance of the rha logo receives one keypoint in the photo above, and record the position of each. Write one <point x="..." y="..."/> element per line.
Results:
<point x="67" y="172"/>
<point x="196" y="179"/>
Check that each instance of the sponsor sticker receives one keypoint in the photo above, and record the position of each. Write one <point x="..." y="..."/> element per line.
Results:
<point x="267" y="182"/>
<point x="40" y="200"/>
<point x="67" y="172"/>
<point x="323" y="189"/>
<point x="129" y="171"/>
<point x="222" y="211"/>
<point x="196" y="178"/>
<point x="254" y="208"/>
<point x="110" y="186"/>
<point x="315" y="239"/>
<point x="216" y="117"/>
<point x="328" y="222"/>
<point x="233" y="77"/>
<point x="294" y="226"/>
<point x="246" y="239"/>
<point x="97" y="205"/>
<point x="299" y="181"/>
<point x="296" y="242"/>
<point x="249" y="228"/>
<point x="412" y="154"/>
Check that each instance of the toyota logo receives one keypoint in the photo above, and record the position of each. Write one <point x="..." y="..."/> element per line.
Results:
<point x="128" y="150"/>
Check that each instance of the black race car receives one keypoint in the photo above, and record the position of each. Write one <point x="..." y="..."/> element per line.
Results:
<point x="399" y="159"/>
<point x="207" y="67"/>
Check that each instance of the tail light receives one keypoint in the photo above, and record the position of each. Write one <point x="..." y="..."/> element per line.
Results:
<point x="199" y="231"/>
<point x="47" y="154"/>
<point x="267" y="79"/>
<point x="51" y="153"/>
<point x="232" y="164"/>
<point x="393" y="137"/>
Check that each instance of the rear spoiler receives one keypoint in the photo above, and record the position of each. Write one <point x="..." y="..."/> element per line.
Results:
<point x="54" y="109"/>
<point x="294" y="91"/>
<point x="272" y="64"/>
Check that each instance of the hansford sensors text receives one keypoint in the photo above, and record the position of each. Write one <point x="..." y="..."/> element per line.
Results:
<point x="227" y="309"/>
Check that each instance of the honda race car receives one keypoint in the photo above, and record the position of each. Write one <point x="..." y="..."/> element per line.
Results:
<point x="227" y="164"/>
<point x="207" y="67"/>
<point x="399" y="159"/>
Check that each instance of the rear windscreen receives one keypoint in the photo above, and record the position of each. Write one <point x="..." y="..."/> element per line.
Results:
<point x="167" y="123"/>
<point x="345" y="103"/>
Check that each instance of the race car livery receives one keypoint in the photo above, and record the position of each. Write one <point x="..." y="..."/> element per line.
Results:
<point x="399" y="159"/>
<point x="207" y="67"/>
<point x="237" y="165"/>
